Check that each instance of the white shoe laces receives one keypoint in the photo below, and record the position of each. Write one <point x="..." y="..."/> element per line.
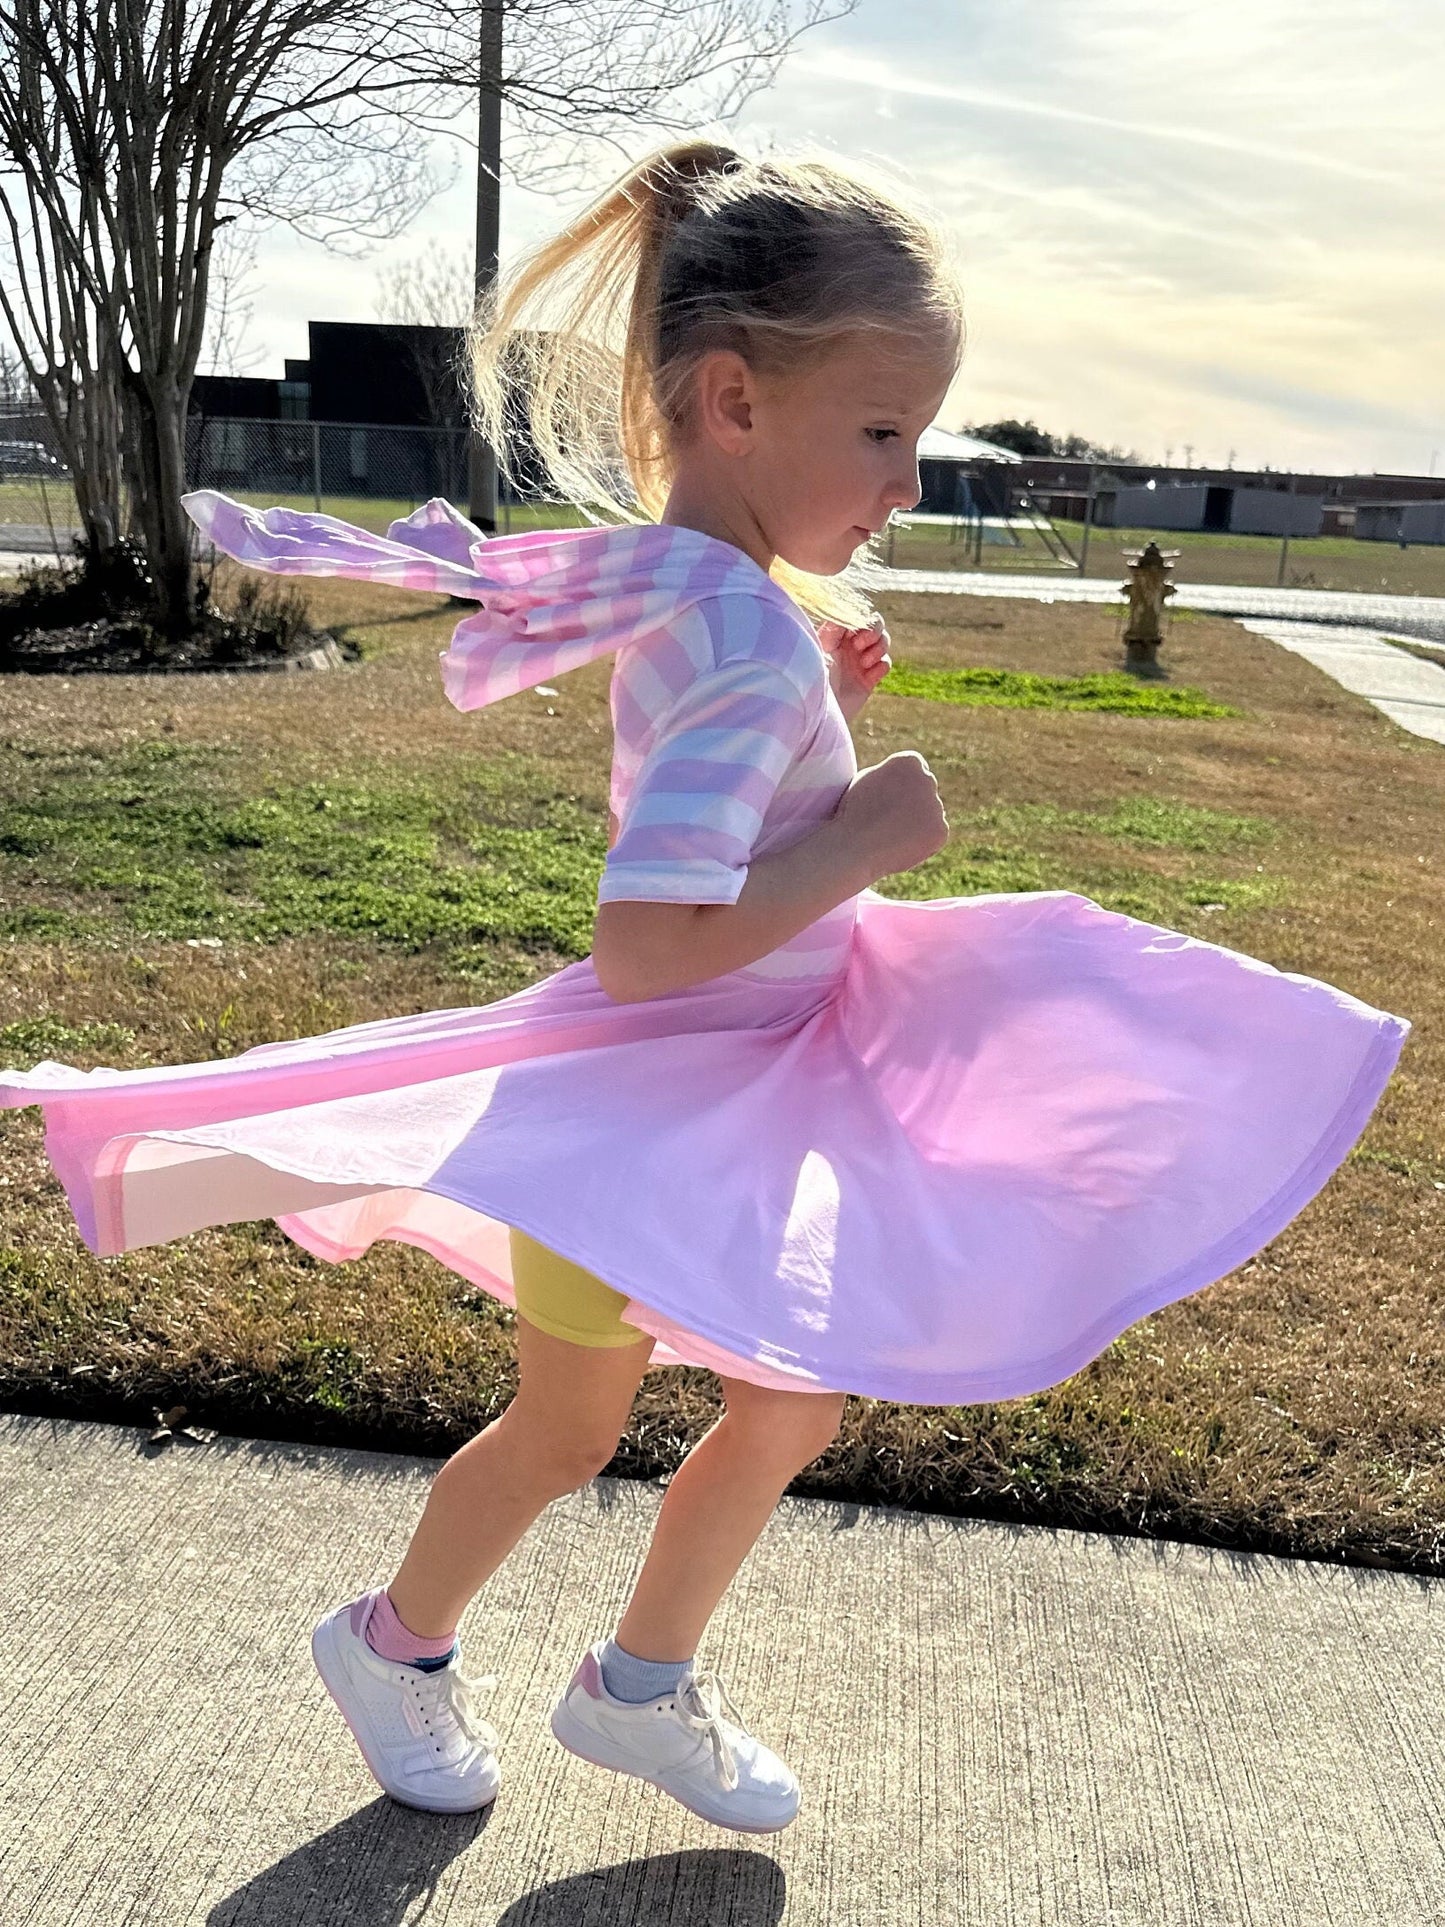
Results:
<point x="448" y="1697"/>
<point x="701" y="1700"/>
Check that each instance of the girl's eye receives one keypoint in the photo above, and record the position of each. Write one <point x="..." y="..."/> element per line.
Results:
<point x="881" y="433"/>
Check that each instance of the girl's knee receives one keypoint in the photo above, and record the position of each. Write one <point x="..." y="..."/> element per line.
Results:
<point x="559" y="1451"/>
<point x="565" y="1457"/>
<point x="572" y="1404"/>
<point x="576" y="1462"/>
<point x="793" y="1426"/>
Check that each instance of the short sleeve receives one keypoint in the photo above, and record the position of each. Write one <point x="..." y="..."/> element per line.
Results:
<point x="702" y="790"/>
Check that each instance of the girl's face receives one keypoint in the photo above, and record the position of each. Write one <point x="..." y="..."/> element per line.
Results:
<point x="815" y="463"/>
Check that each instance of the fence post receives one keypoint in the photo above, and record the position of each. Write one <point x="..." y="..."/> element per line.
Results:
<point x="316" y="464"/>
<point x="1088" y="523"/>
<point x="1284" y="545"/>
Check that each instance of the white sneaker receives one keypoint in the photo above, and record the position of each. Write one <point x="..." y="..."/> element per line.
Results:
<point x="419" y="1732"/>
<point x="682" y="1743"/>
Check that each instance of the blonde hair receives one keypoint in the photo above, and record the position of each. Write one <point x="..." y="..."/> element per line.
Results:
<point x="694" y="249"/>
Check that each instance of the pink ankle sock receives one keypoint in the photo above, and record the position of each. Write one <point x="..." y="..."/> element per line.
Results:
<point x="386" y="1635"/>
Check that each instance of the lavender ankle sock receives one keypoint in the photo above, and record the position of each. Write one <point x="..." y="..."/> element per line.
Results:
<point x="635" y="1680"/>
<point x="387" y="1636"/>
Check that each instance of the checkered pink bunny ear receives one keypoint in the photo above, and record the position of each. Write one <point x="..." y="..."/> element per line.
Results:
<point x="552" y="599"/>
<point x="433" y="548"/>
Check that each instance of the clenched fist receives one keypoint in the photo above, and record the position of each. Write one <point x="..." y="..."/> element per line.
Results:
<point x="894" y="812"/>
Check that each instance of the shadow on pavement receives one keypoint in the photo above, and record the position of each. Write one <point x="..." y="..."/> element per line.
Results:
<point x="711" y="1887"/>
<point x="369" y="1870"/>
<point x="374" y="1867"/>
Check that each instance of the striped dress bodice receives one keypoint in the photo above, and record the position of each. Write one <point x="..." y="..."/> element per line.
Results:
<point x="728" y="745"/>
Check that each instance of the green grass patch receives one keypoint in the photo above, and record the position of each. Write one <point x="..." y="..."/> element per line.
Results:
<point x="31" y="1039"/>
<point x="1004" y="848"/>
<point x="1016" y="689"/>
<point x="161" y="842"/>
<point x="1425" y="651"/>
<point x="1154" y="820"/>
<point x="965" y="869"/>
<point x="38" y="922"/>
<point x="324" y="1371"/>
<point x="1428" y="1171"/>
<point x="377" y="512"/>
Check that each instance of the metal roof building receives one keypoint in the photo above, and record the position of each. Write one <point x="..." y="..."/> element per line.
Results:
<point x="942" y="445"/>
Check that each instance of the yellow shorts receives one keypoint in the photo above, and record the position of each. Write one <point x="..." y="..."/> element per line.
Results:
<point x="561" y="1298"/>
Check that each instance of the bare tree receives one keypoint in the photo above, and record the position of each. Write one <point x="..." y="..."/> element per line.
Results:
<point x="15" y="386"/>
<point x="133" y="131"/>
<point x="430" y="295"/>
<point x="432" y="289"/>
<point x="232" y="303"/>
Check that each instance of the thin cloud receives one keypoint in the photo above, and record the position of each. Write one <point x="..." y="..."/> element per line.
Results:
<point x="837" y="64"/>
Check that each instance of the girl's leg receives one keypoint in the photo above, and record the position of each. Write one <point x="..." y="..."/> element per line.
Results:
<point x="719" y="1500"/>
<point x="559" y="1431"/>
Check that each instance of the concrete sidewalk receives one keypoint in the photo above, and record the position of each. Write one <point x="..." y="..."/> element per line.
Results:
<point x="12" y="561"/>
<point x="1016" y="1728"/>
<point x="1406" y="688"/>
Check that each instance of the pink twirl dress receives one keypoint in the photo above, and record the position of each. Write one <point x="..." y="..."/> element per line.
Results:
<point x="934" y="1152"/>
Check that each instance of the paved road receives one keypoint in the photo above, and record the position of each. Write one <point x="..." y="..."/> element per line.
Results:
<point x="993" y="1727"/>
<point x="1415" y="616"/>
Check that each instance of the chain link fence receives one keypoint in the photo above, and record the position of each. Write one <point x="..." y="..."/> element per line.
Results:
<point x="362" y="472"/>
<point x="370" y="474"/>
<point x="37" y="503"/>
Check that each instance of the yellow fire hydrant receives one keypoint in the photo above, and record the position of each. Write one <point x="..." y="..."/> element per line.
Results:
<point x="1148" y="589"/>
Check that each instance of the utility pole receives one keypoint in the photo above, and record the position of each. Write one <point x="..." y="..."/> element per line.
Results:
<point x="481" y="459"/>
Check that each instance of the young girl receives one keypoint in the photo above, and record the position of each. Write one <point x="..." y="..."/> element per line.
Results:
<point x="778" y="1124"/>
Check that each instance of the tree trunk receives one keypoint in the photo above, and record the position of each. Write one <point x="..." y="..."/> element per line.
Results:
<point x="156" y="424"/>
<point x="96" y="470"/>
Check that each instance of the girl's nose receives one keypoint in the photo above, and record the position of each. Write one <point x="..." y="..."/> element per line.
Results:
<point x="907" y="492"/>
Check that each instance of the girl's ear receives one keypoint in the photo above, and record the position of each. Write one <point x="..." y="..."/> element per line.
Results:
<point x="726" y="393"/>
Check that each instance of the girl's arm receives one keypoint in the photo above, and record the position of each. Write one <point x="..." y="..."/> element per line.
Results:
<point x="642" y="950"/>
<point x="888" y="819"/>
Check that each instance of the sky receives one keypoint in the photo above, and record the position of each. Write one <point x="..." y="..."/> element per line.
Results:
<point x="1204" y="230"/>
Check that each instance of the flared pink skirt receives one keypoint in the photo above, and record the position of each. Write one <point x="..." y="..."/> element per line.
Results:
<point x="1006" y="1129"/>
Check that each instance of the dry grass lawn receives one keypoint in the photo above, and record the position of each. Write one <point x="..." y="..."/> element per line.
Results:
<point x="192" y="865"/>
